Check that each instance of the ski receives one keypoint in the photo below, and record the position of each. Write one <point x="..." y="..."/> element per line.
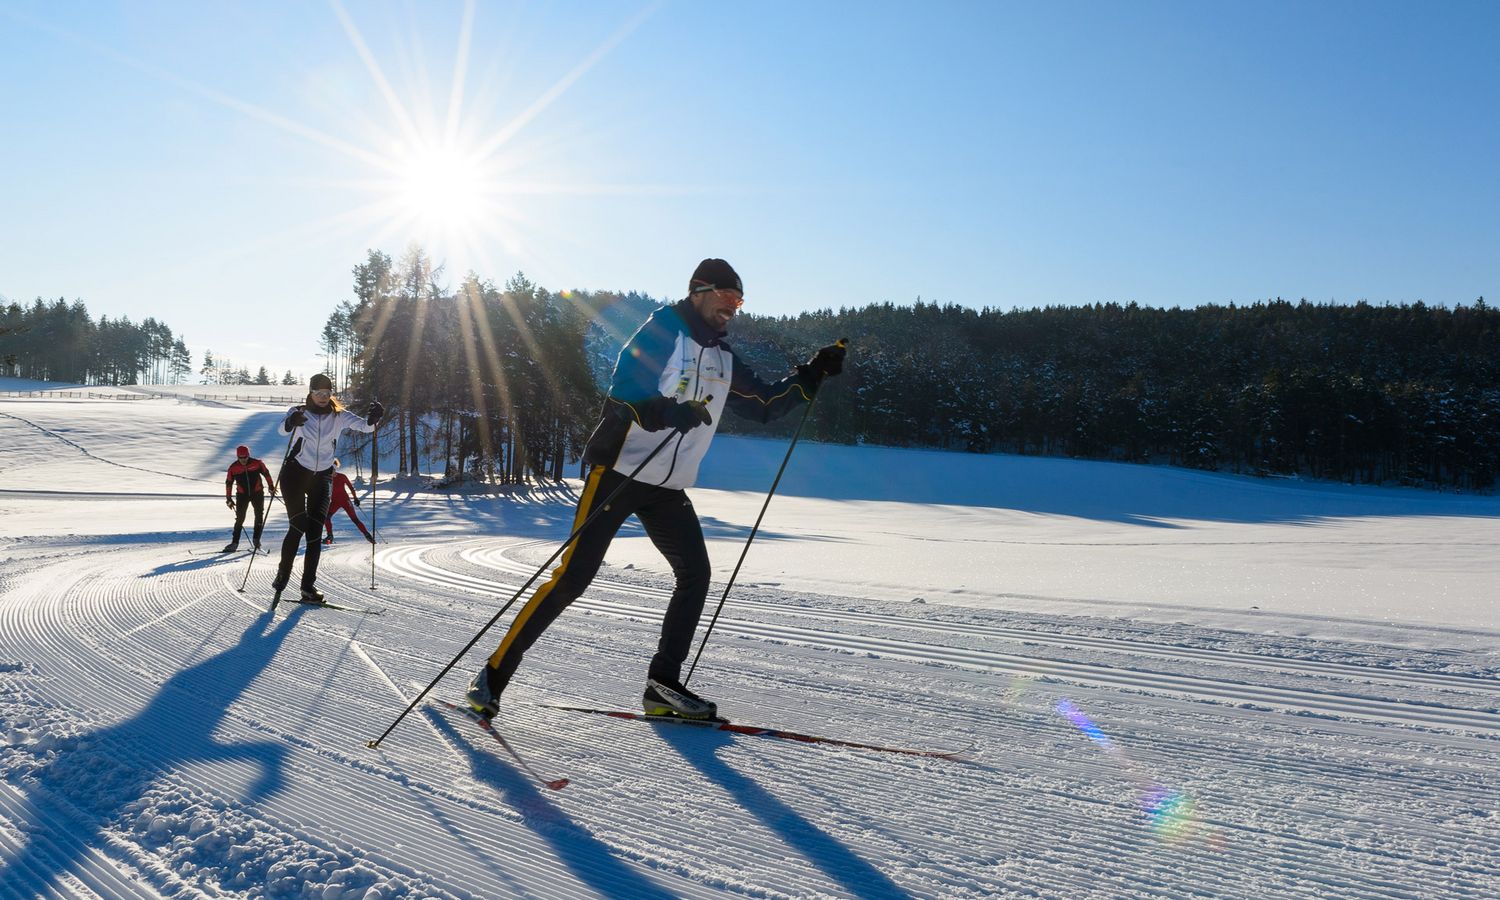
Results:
<point x="761" y="731"/>
<point x="458" y="709"/>
<point x="357" y="610"/>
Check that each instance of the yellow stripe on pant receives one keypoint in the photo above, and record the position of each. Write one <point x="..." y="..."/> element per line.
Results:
<point x="590" y="487"/>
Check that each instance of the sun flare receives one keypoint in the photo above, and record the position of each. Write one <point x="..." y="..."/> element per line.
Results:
<point x="448" y="176"/>
<point x="441" y="188"/>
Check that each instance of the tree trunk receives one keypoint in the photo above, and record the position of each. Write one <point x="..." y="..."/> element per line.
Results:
<point x="401" y="442"/>
<point x="413" y="420"/>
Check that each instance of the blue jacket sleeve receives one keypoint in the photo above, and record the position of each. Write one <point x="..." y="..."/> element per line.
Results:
<point x="635" y="393"/>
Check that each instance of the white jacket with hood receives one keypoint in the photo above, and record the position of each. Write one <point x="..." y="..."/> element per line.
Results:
<point x="676" y="357"/>
<point x="313" y="448"/>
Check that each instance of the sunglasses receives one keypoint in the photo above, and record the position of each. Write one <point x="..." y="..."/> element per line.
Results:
<point x="730" y="294"/>
<point x="322" y="395"/>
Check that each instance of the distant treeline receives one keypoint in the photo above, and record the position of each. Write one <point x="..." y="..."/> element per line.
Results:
<point x="1397" y="394"/>
<point x="59" y="341"/>
<point x="221" y="370"/>
<point x="506" y="383"/>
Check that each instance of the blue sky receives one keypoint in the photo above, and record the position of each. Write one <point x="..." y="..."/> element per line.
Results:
<point x="223" y="167"/>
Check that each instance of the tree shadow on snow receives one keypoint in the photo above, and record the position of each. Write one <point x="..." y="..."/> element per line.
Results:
<point x="546" y="513"/>
<point x="841" y="864"/>
<point x="261" y="432"/>
<point x="589" y="859"/>
<point x="95" y="777"/>
<point x="1142" y="495"/>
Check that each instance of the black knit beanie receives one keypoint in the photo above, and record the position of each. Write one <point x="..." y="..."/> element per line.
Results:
<point x="715" y="273"/>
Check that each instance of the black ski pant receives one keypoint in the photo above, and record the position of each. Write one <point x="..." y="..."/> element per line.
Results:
<point x="670" y="522"/>
<point x="243" y="502"/>
<point x="306" y="495"/>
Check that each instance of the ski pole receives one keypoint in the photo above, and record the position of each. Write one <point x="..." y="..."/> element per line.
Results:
<point x="374" y="484"/>
<point x="276" y="497"/>
<point x="842" y="342"/>
<point x="253" y="553"/>
<point x="598" y="508"/>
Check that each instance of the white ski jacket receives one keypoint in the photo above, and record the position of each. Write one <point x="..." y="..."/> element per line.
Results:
<point x="674" y="357"/>
<point x="314" y="445"/>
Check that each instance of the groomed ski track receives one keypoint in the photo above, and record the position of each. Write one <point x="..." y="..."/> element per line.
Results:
<point x="166" y="737"/>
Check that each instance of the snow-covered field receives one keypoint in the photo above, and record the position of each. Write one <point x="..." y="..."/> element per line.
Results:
<point x="1175" y="683"/>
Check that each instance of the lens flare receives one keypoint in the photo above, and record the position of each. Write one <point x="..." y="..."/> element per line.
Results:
<point x="1172" y="815"/>
<point x="1169" y="813"/>
<point x="1071" y="712"/>
<point x="1018" y="686"/>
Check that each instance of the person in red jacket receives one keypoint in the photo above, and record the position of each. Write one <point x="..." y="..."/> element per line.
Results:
<point x="343" y="493"/>
<point x="245" y="473"/>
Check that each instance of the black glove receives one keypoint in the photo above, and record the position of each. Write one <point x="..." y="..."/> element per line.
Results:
<point x="297" y="419"/>
<point x="229" y="503"/>
<point x="685" y="416"/>
<point x="828" y="361"/>
<point x="375" y="413"/>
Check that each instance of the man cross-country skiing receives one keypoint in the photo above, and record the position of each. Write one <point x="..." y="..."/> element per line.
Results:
<point x="674" y="373"/>
<point x="344" y="499"/>
<point x="245" y="473"/>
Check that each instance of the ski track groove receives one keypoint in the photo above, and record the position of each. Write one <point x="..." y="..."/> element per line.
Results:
<point x="498" y="558"/>
<point x="409" y="562"/>
<point x="1090" y="799"/>
<point x="1311" y="855"/>
<point x="101" y="608"/>
<point x="644" y="742"/>
<point x="1372" y="823"/>
<point x="142" y="691"/>
<point x="1314" y="854"/>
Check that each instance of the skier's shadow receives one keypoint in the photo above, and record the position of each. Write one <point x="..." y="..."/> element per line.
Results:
<point x="838" y="862"/>
<point x="191" y="565"/>
<point x="588" y="858"/>
<point x="96" y="777"/>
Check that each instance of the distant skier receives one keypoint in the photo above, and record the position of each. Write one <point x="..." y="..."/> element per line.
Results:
<point x="343" y="494"/>
<point x="245" y="473"/>
<point x="674" y="373"/>
<point x="307" y="478"/>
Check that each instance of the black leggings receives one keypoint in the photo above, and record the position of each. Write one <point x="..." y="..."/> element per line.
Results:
<point x="306" y="495"/>
<point x="670" y="522"/>
<point x="243" y="502"/>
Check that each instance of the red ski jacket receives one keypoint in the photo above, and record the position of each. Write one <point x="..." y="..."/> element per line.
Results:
<point x="246" y="476"/>
<point x="343" y="491"/>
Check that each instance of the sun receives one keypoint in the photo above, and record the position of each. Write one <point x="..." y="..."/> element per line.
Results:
<point x="441" y="189"/>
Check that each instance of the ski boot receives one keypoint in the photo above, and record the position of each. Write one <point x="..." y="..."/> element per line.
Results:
<point x="312" y="597"/>
<point x="231" y="547"/>
<point x="484" y="701"/>
<point x="671" y="698"/>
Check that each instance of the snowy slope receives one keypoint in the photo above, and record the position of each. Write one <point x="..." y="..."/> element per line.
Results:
<point x="1175" y="684"/>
